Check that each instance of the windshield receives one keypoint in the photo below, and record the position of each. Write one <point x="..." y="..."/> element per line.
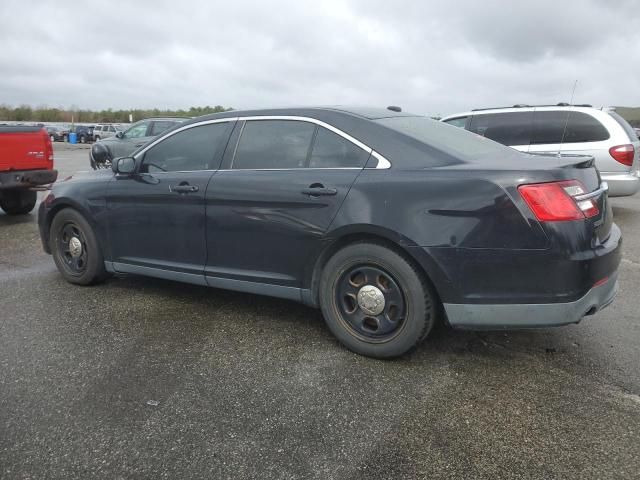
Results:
<point x="447" y="138"/>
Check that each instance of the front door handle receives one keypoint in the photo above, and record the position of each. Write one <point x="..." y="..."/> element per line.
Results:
<point x="139" y="145"/>
<point x="183" y="188"/>
<point x="319" y="191"/>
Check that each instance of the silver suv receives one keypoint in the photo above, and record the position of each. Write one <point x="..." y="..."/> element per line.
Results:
<point x="567" y="129"/>
<point x="105" y="131"/>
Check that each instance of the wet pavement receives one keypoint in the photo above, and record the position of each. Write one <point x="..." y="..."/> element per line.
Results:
<point x="143" y="378"/>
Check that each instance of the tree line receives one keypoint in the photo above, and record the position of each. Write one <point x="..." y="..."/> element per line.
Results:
<point x="25" y="113"/>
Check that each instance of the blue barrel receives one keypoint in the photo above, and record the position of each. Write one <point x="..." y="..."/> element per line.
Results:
<point x="73" y="137"/>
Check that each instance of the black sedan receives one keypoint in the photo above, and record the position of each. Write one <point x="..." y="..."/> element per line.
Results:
<point x="387" y="221"/>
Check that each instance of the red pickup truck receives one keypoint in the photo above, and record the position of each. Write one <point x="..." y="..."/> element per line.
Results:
<point x="26" y="161"/>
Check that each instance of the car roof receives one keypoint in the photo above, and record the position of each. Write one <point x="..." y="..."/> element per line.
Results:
<point x="527" y="108"/>
<point x="363" y="113"/>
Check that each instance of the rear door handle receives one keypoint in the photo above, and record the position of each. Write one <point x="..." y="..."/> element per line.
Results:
<point x="183" y="188"/>
<point x="319" y="191"/>
<point x="139" y="145"/>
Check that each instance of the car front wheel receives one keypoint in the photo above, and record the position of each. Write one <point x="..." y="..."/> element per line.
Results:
<point x="75" y="248"/>
<point x="375" y="301"/>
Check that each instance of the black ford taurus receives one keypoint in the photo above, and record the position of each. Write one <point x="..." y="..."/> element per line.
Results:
<point x="387" y="221"/>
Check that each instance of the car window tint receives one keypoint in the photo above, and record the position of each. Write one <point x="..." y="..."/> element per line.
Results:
<point x="457" y="122"/>
<point x="330" y="150"/>
<point x="160" y="126"/>
<point x="509" y="128"/>
<point x="455" y="141"/>
<point x="273" y="144"/>
<point x="633" y="136"/>
<point x="111" y="129"/>
<point x="191" y="149"/>
<point x="549" y="127"/>
<point x="137" y="131"/>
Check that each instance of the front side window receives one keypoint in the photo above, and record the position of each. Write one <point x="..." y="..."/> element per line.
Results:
<point x="137" y="131"/>
<point x="276" y="144"/>
<point x="111" y="129"/>
<point x="330" y="150"/>
<point x="566" y="126"/>
<point x="457" y="122"/>
<point x="509" y="128"/>
<point x="161" y="126"/>
<point x="188" y="150"/>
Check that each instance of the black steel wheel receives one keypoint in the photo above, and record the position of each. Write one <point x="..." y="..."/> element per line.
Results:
<point x="75" y="248"/>
<point x="371" y="302"/>
<point x="375" y="301"/>
<point x="72" y="246"/>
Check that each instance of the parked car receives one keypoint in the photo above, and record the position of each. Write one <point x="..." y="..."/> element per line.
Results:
<point x="84" y="133"/>
<point x="387" y="221"/>
<point x="57" y="134"/>
<point x="637" y="130"/>
<point x="577" y="129"/>
<point x="103" y="131"/>
<point x="124" y="143"/>
<point x="26" y="161"/>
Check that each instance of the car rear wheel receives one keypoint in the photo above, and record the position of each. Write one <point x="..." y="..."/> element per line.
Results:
<point x="75" y="248"/>
<point x="18" y="202"/>
<point x="375" y="301"/>
<point x="53" y="139"/>
<point x="96" y="138"/>
<point x="83" y="139"/>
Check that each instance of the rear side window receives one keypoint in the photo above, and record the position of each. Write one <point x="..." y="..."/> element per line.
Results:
<point x="273" y="144"/>
<point x="548" y="128"/>
<point x="625" y="125"/>
<point x="188" y="150"/>
<point x="455" y="141"/>
<point x="330" y="150"/>
<point x="457" y="122"/>
<point x="510" y="128"/>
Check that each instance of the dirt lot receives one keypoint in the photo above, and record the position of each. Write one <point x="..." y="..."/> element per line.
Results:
<point x="142" y="378"/>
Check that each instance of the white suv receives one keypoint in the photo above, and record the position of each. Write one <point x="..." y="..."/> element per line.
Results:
<point x="563" y="128"/>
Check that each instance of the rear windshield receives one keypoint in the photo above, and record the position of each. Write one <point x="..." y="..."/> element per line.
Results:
<point x="625" y="125"/>
<point x="447" y="138"/>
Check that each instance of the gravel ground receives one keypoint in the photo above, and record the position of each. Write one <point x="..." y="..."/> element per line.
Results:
<point x="143" y="378"/>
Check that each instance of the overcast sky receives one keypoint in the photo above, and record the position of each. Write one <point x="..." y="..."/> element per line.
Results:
<point x="426" y="56"/>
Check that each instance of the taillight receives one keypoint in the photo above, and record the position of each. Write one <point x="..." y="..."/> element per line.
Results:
<point x="623" y="154"/>
<point x="556" y="202"/>
<point x="48" y="147"/>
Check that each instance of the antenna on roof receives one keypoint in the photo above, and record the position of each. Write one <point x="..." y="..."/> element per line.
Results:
<point x="566" y="122"/>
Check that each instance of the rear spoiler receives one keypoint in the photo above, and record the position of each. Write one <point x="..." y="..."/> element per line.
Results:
<point x="572" y="159"/>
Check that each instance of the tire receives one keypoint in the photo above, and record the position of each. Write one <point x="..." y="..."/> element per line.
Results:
<point x="18" y="202"/>
<point x="81" y="267"/>
<point x="53" y="139"/>
<point x="409" y="309"/>
<point x="65" y="138"/>
<point x="83" y="139"/>
<point x="96" y="138"/>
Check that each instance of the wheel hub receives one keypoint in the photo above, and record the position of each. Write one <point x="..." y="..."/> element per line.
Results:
<point x="371" y="300"/>
<point x="75" y="247"/>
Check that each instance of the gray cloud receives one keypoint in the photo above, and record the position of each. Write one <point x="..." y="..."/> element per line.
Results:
<point x="431" y="57"/>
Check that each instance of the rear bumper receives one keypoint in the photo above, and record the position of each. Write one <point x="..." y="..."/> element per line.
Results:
<point x="27" y="178"/>
<point x="622" y="184"/>
<point x="514" y="316"/>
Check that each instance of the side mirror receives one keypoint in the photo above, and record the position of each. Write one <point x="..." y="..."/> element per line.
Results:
<point x="124" y="165"/>
<point x="119" y="134"/>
